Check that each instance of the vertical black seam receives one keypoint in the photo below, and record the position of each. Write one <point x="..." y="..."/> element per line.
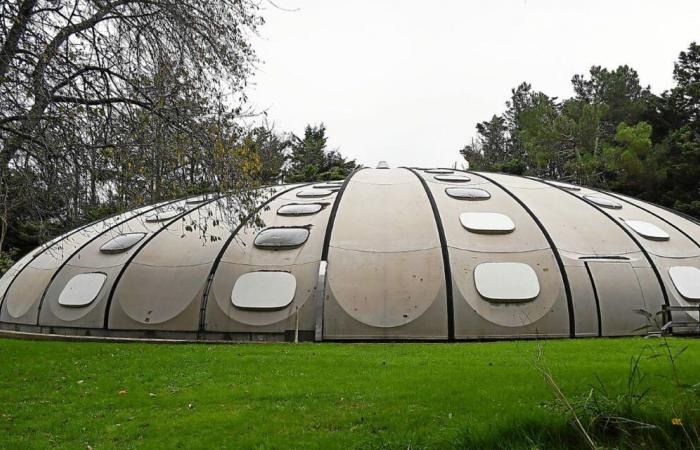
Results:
<point x="89" y="241"/>
<point x="597" y="299"/>
<point x="555" y="251"/>
<point x="334" y="212"/>
<point x="138" y="251"/>
<point x="232" y="236"/>
<point x="623" y="228"/>
<point x="612" y="194"/>
<point x="445" y="255"/>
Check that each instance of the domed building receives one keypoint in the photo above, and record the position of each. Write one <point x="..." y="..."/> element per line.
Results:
<point x="387" y="254"/>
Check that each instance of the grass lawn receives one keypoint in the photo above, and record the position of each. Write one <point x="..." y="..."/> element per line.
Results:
<point x="75" y="395"/>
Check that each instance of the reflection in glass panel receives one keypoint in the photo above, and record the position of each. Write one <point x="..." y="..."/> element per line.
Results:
<point x="281" y="237"/>
<point x="468" y="193"/>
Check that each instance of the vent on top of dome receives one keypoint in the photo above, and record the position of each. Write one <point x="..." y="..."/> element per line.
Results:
<point x="687" y="280"/>
<point x="487" y="222"/>
<point x="603" y="201"/>
<point x="122" y="243"/>
<point x="281" y="237"/>
<point x="312" y="193"/>
<point x="300" y="209"/>
<point x="648" y="230"/>
<point x="507" y="282"/>
<point x="382" y="165"/>
<point x="264" y="290"/>
<point x="463" y="193"/>
<point x="82" y="289"/>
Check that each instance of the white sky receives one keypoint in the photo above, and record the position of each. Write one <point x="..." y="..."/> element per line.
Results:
<point x="406" y="81"/>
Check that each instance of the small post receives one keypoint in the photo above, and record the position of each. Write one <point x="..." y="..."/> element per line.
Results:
<point x="296" y="326"/>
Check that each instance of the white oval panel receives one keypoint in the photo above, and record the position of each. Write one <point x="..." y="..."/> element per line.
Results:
<point x="568" y="187"/>
<point x="281" y="237"/>
<point x="328" y="186"/>
<point x="163" y="216"/>
<point x="198" y="199"/>
<point x="485" y="222"/>
<point x="311" y="193"/>
<point x="299" y="209"/>
<point x="452" y="178"/>
<point x="506" y="282"/>
<point x="463" y="193"/>
<point x="439" y="171"/>
<point x="603" y="201"/>
<point x="648" y="230"/>
<point x="687" y="280"/>
<point x="264" y="290"/>
<point x="122" y="243"/>
<point x="82" y="289"/>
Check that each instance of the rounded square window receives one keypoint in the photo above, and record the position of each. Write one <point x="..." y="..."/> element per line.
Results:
<point x="439" y="171"/>
<point x="300" y="209"/>
<point x="452" y="178"/>
<point x="567" y="186"/>
<point x="686" y="279"/>
<point x="506" y="282"/>
<point x="463" y="193"/>
<point x="163" y="216"/>
<point x="82" y="289"/>
<point x="281" y="238"/>
<point x="605" y="202"/>
<point x="648" y="230"/>
<point x="122" y="243"/>
<point x="487" y="222"/>
<point x="314" y="193"/>
<point x="264" y="290"/>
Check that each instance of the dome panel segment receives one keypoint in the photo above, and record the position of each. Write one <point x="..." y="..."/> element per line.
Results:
<point x="385" y="241"/>
<point x="161" y="288"/>
<point x="23" y="297"/>
<point x="90" y="259"/>
<point x="242" y="257"/>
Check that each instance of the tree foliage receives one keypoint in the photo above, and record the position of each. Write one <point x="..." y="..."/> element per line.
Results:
<point x="613" y="133"/>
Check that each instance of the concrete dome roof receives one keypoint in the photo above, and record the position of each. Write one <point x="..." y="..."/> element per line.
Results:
<point x="387" y="254"/>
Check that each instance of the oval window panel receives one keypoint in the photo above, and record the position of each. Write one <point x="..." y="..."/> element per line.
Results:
<point x="264" y="290"/>
<point x="163" y="215"/>
<point x="567" y="186"/>
<point x="82" y="289"/>
<point x="299" y="209"/>
<point x="312" y="193"/>
<point x="439" y="171"/>
<point x="122" y="243"/>
<point x="506" y="282"/>
<point x="603" y="201"/>
<point x="687" y="280"/>
<point x="330" y="187"/>
<point x="452" y="178"/>
<point x="467" y="193"/>
<point x="648" y="230"/>
<point x="487" y="223"/>
<point x="282" y="238"/>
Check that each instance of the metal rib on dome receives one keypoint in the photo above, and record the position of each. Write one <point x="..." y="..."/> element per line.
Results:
<point x="395" y="254"/>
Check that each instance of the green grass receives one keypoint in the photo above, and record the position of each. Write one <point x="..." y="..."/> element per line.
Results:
<point x="474" y="395"/>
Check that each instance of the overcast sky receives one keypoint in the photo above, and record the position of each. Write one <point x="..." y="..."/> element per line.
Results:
<point x="406" y="81"/>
